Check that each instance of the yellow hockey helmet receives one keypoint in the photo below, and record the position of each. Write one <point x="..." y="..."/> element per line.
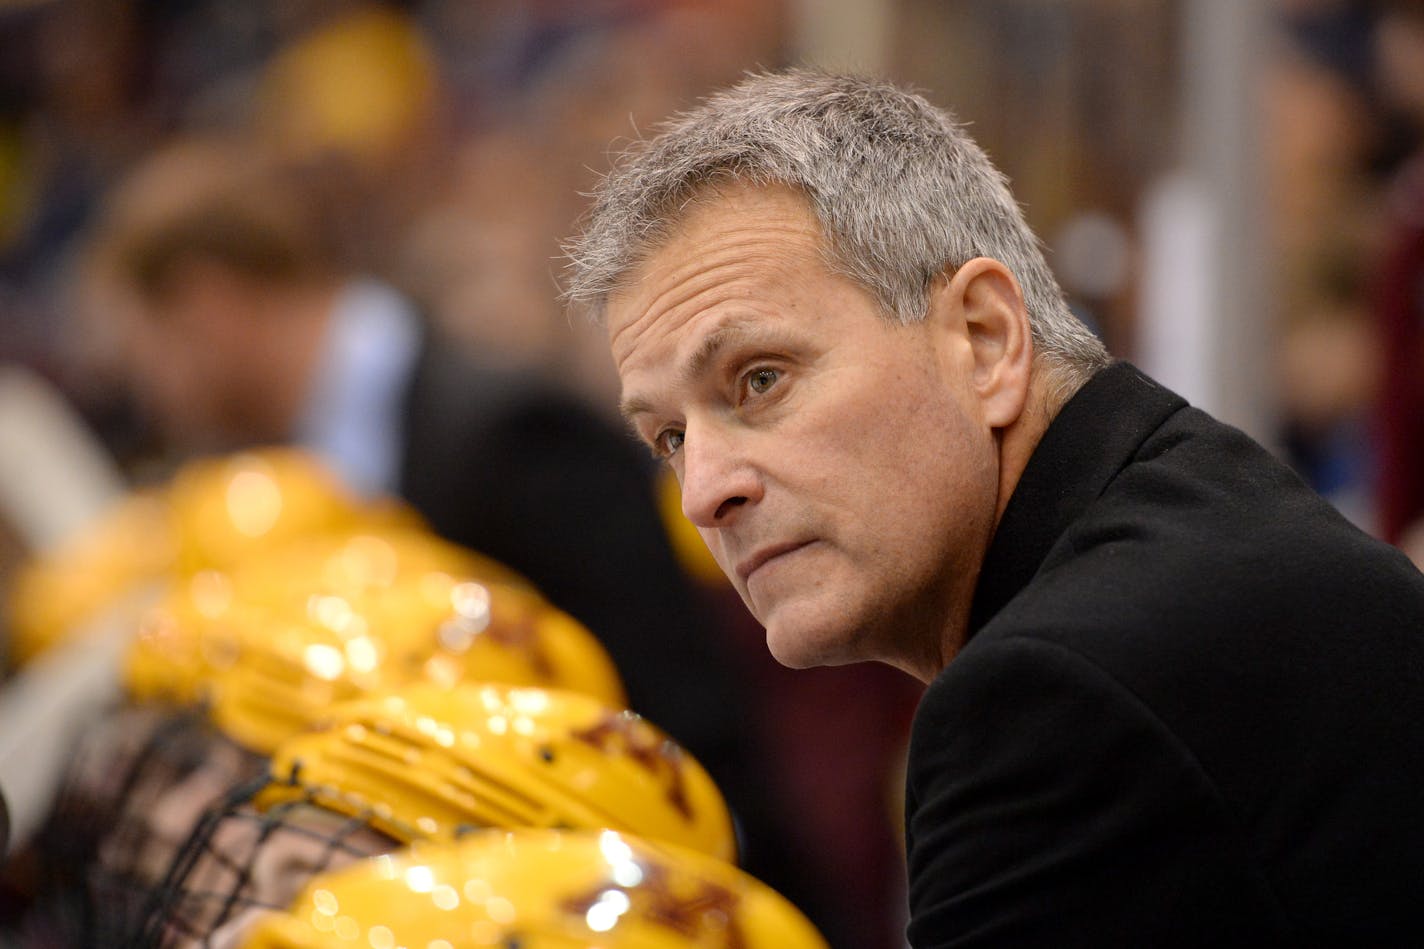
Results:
<point x="130" y="544"/>
<point x="539" y="889"/>
<point x="231" y="507"/>
<point x="214" y="514"/>
<point x="369" y="557"/>
<point x="687" y="544"/>
<point x="429" y="761"/>
<point x="291" y="665"/>
<point x="307" y="592"/>
<point x="191" y="631"/>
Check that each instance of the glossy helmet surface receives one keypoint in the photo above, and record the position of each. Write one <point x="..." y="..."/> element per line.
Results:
<point x="181" y="639"/>
<point x="536" y="889"/>
<point x="115" y="825"/>
<point x="430" y="761"/>
<point x="131" y="544"/>
<point x="290" y="661"/>
<point x="214" y="513"/>
<point x="230" y="507"/>
<point x="387" y="548"/>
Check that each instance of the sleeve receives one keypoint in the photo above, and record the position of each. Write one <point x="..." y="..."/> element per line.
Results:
<point x="1047" y="806"/>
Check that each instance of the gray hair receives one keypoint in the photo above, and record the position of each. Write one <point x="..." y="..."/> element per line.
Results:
<point x="900" y="190"/>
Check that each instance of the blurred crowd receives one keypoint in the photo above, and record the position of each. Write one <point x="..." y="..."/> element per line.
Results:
<point x="453" y="138"/>
<point x="1347" y="121"/>
<point x="452" y="142"/>
<point x="169" y="168"/>
<point x="336" y="224"/>
<point x="1081" y="105"/>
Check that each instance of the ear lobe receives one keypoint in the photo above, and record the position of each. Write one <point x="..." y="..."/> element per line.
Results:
<point x="1000" y="341"/>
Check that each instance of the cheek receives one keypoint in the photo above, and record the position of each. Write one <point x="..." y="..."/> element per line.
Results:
<point x="920" y="479"/>
<point x="893" y="448"/>
<point x="168" y="372"/>
<point x="713" y="539"/>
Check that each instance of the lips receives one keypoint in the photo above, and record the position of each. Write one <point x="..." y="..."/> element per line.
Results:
<point x="764" y="555"/>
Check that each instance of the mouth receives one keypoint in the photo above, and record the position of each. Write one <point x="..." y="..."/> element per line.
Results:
<point x="765" y="555"/>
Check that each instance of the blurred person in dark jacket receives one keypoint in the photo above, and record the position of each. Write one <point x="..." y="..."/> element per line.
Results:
<point x="242" y="325"/>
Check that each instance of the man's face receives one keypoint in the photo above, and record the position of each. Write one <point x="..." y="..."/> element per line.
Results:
<point x="193" y="360"/>
<point x="838" y="466"/>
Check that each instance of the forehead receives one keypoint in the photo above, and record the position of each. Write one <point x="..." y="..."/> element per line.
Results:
<point x="729" y="246"/>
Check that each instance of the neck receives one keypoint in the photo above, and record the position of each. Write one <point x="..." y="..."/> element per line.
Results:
<point x="1017" y="442"/>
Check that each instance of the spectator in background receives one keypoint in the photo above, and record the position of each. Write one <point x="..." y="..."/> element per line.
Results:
<point x="472" y="128"/>
<point x="1321" y="132"/>
<point x="242" y="325"/>
<point x="1399" y="289"/>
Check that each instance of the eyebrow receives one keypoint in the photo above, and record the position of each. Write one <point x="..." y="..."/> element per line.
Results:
<point x="733" y="330"/>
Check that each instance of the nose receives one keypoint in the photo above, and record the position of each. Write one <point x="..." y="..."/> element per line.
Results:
<point x="718" y="480"/>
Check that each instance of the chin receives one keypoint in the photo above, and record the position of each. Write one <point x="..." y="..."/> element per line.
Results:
<point x="808" y="647"/>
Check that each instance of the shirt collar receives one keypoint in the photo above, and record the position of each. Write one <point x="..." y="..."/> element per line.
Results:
<point x="352" y="416"/>
<point x="1093" y="437"/>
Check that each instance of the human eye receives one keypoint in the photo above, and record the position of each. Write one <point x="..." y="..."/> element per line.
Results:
<point x="667" y="442"/>
<point x="760" y="380"/>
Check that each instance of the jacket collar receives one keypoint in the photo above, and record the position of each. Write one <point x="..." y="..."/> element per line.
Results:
<point x="1093" y="437"/>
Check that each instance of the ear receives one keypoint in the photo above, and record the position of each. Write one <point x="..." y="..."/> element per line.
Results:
<point x="986" y="297"/>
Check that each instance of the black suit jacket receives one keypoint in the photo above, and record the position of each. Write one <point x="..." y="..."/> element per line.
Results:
<point x="1190" y="713"/>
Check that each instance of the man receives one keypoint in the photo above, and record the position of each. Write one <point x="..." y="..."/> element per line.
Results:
<point x="1173" y="697"/>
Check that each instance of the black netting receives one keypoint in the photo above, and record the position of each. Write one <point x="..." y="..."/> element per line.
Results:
<point x="241" y="859"/>
<point x="99" y="856"/>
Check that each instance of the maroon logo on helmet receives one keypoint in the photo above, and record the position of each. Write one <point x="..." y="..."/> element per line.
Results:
<point x="706" y="910"/>
<point x="627" y="733"/>
<point x="524" y="635"/>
